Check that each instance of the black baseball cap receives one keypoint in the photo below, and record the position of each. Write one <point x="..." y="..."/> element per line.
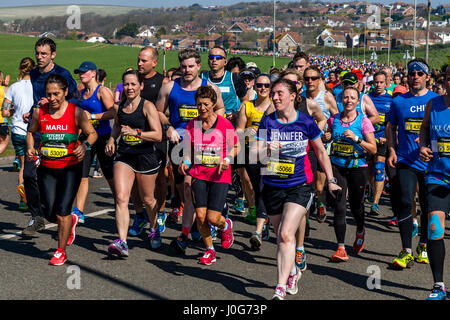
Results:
<point x="350" y="77"/>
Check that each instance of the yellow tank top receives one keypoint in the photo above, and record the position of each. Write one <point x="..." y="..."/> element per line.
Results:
<point x="253" y="115"/>
<point x="2" y="96"/>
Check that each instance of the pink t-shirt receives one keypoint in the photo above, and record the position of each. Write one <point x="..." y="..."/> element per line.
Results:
<point x="209" y="148"/>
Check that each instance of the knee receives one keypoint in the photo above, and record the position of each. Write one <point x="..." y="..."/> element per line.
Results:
<point x="149" y="201"/>
<point x="435" y="229"/>
<point x="286" y="237"/>
<point x="122" y="197"/>
<point x="379" y="171"/>
<point x="214" y="219"/>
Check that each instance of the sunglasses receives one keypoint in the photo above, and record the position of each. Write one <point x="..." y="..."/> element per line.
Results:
<point x="312" y="78"/>
<point x="263" y="85"/>
<point x="419" y="73"/>
<point x="216" y="57"/>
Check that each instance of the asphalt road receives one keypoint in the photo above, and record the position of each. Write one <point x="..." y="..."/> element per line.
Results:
<point x="238" y="274"/>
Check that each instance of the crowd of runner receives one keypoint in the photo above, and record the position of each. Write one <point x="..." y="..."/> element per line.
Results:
<point x="320" y="132"/>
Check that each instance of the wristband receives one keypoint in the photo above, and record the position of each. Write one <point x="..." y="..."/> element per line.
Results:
<point x="333" y="180"/>
<point x="93" y="117"/>
<point x="139" y="133"/>
<point x="88" y="145"/>
<point x="227" y="159"/>
<point x="166" y="126"/>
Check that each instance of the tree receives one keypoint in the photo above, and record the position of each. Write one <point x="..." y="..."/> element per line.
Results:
<point x="130" y="29"/>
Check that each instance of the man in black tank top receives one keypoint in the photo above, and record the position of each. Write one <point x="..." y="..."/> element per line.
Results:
<point x="147" y="61"/>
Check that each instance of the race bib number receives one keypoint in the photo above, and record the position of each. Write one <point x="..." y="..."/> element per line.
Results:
<point x="412" y="125"/>
<point x="444" y="147"/>
<point x="131" y="140"/>
<point x="95" y="123"/>
<point x="382" y="118"/>
<point x="282" y="168"/>
<point x="208" y="160"/>
<point x="187" y="112"/>
<point x="54" y="152"/>
<point x="342" y="149"/>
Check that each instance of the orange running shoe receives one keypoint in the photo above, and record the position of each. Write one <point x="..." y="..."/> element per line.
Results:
<point x="340" y="255"/>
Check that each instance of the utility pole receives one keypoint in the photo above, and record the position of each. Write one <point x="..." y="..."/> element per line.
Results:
<point x="428" y="30"/>
<point x="389" y="38"/>
<point x="365" y="34"/>
<point x="414" y="43"/>
<point x="274" y="32"/>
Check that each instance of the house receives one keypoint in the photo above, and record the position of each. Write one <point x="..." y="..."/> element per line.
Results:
<point x="287" y="42"/>
<point x="376" y="40"/>
<point x="47" y="34"/>
<point x="406" y="37"/>
<point x="146" y="32"/>
<point x="239" y="27"/>
<point x="443" y="33"/>
<point x="94" y="38"/>
<point x="332" y="38"/>
<point x="210" y="41"/>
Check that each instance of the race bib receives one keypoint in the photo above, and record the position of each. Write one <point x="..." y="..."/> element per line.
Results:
<point x="342" y="149"/>
<point x="54" y="152"/>
<point x="283" y="167"/>
<point x="187" y="112"/>
<point x="131" y="140"/>
<point x="208" y="160"/>
<point x="382" y="118"/>
<point x="412" y="125"/>
<point x="95" y="123"/>
<point x="444" y="147"/>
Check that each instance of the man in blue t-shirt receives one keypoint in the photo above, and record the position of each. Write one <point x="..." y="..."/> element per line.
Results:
<point x="405" y="118"/>
<point x="45" y="53"/>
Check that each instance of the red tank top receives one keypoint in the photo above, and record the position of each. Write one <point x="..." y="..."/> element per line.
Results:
<point x="59" y="137"/>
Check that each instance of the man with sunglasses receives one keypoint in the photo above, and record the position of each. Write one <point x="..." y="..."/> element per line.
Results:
<point x="404" y="120"/>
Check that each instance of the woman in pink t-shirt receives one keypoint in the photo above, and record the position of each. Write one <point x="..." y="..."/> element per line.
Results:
<point x="211" y="143"/>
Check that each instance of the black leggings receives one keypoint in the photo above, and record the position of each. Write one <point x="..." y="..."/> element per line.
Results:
<point x="106" y="162"/>
<point x="354" y="180"/>
<point x="58" y="189"/>
<point x="254" y="173"/>
<point x="31" y="185"/>
<point x="403" y="185"/>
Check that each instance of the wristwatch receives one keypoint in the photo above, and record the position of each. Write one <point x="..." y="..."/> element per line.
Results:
<point x="139" y="133"/>
<point x="93" y="117"/>
<point x="88" y="145"/>
<point x="333" y="180"/>
<point x="357" y="139"/>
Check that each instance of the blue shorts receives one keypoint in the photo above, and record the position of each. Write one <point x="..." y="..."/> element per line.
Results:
<point x="19" y="142"/>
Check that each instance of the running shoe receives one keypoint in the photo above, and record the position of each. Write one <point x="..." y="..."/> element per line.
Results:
<point x="437" y="293"/>
<point x="155" y="238"/>
<point x="72" y="235"/>
<point x="266" y="230"/>
<point x="340" y="255"/>
<point x="80" y="214"/>
<point x="175" y="215"/>
<point x="214" y="232"/>
<point x="138" y="226"/>
<point x="59" y="258"/>
<point x="180" y="244"/>
<point x="256" y="241"/>
<point x="16" y="165"/>
<point x="227" y="235"/>
<point x="415" y="231"/>
<point x="208" y="258"/>
<point x="36" y="224"/>
<point x="118" y="248"/>
<point x="280" y="294"/>
<point x="22" y="205"/>
<point x="21" y="191"/>
<point x="292" y="283"/>
<point x="161" y="221"/>
<point x="251" y="215"/>
<point x="96" y="174"/>
<point x="358" y="245"/>
<point x="300" y="260"/>
<point x="393" y="222"/>
<point x="239" y="206"/>
<point x="404" y="260"/>
<point x="375" y="209"/>
<point x="321" y="213"/>
<point x="422" y="255"/>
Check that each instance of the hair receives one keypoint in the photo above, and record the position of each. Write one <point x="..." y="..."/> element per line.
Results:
<point x="294" y="72"/>
<point x="379" y="73"/>
<point x="177" y="72"/>
<point x="351" y="88"/>
<point x="314" y="68"/>
<point x="398" y="74"/>
<point x="235" y="62"/>
<point x="206" y="92"/>
<point x="135" y="73"/>
<point x="219" y="47"/>
<point x="59" y="80"/>
<point x="101" y="75"/>
<point x="262" y="75"/>
<point x="301" y="55"/>
<point x="26" y="65"/>
<point x="155" y="54"/>
<point x="290" y="85"/>
<point x="189" y="53"/>
<point x="46" y="41"/>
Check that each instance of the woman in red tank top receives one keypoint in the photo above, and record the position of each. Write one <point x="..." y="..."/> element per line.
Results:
<point x="59" y="173"/>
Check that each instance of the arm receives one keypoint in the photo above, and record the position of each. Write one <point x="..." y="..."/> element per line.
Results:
<point x="32" y="129"/>
<point x="369" y="109"/>
<point x="87" y="128"/>
<point x="155" y="133"/>
<point x="7" y="108"/>
<point x="424" y="137"/>
<point x="315" y="111"/>
<point x="220" y="107"/>
<point x="389" y="134"/>
<point x="107" y="99"/>
<point x="325" y="163"/>
<point x="331" y="104"/>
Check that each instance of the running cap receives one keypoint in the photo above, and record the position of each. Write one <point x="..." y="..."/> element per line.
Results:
<point x="418" y="66"/>
<point x="400" y="89"/>
<point x="251" y="64"/>
<point x="247" y="73"/>
<point x="358" y="73"/>
<point x="350" y="77"/>
<point x="86" y="66"/>
<point x="342" y="74"/>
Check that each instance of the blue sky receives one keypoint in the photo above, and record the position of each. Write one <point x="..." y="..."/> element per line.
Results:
<point x="167" y="3"/>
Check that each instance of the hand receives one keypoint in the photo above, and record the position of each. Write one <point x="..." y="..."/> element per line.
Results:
<point x="31" y="153"/>
<point x="417" y="140"/>
<point x="326" y="136"/>
<point x="349" y="134"/>
<point x="274" y="147"/>
<point x="173" y="135"/>
<point x="26" y="117"/>
<point x="42" y="102"/>
<point x="231" y="116"/>
<point x="251" y="131"/>
<point x="334" y="189"/>
<point x="183" y="168"/>
<point x="392" y="159"/>
<point x="110" y="149"/>
<point x="88" y="114"/>
<point x="425" y="154"/>
<point x="223" y="166"/>
<point x="80" y="151"/>
<point x="382" y="140"/>
<point x="128" y="131"/>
